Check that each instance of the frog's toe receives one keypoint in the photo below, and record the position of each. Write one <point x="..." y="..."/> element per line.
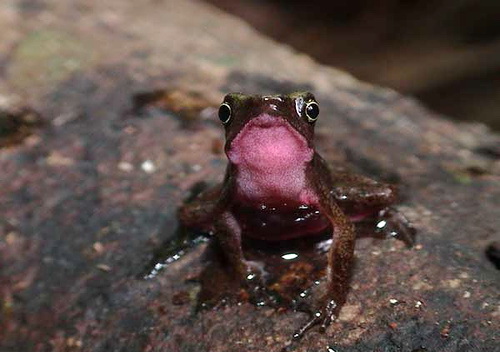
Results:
<point x="322" y="317"/>
<point x="394" y="224"/>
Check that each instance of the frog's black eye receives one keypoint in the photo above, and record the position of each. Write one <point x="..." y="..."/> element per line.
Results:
<point x="224" y="113"/>
<point x="312" y="111"/>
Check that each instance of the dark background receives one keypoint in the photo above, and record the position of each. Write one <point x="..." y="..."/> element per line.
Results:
<point x="444" y="52"/>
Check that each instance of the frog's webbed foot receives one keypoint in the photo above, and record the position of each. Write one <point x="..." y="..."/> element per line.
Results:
<point x="323" y="317"/>
<point x="393" y="223"/>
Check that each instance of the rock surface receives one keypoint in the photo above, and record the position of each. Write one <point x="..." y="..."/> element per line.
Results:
<point x="87" y="199"/>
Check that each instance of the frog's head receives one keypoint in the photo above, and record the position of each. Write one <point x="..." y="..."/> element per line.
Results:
<point x="269" y="131"/>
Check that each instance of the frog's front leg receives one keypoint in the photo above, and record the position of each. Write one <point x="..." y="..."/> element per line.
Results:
<point x="340" y="262"/>
<point x="249" y="274"/>
<point x="228" y="233"/>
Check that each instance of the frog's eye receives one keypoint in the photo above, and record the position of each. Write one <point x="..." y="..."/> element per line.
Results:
<point x="312" y="111"/>
<point x="224" y="113"/>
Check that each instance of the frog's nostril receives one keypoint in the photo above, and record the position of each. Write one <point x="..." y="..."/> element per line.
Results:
<point x="274" y="107"/>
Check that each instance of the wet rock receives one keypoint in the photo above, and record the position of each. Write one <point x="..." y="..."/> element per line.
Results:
<point x="87" y="205"/>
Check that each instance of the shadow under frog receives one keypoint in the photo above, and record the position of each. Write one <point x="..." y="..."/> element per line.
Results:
<point x="280" y="207"/>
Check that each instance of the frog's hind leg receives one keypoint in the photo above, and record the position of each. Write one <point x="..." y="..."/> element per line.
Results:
<point x="366" y="200"/>
<point x="195" y="214"/>
<point x="198" y="212"/>
<point x="360" y="196"/>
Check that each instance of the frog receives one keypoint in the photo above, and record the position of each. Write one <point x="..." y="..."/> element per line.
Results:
<point x="277" y="187"/>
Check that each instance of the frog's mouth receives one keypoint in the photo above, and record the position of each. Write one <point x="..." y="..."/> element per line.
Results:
<point x="268" y="144"/>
